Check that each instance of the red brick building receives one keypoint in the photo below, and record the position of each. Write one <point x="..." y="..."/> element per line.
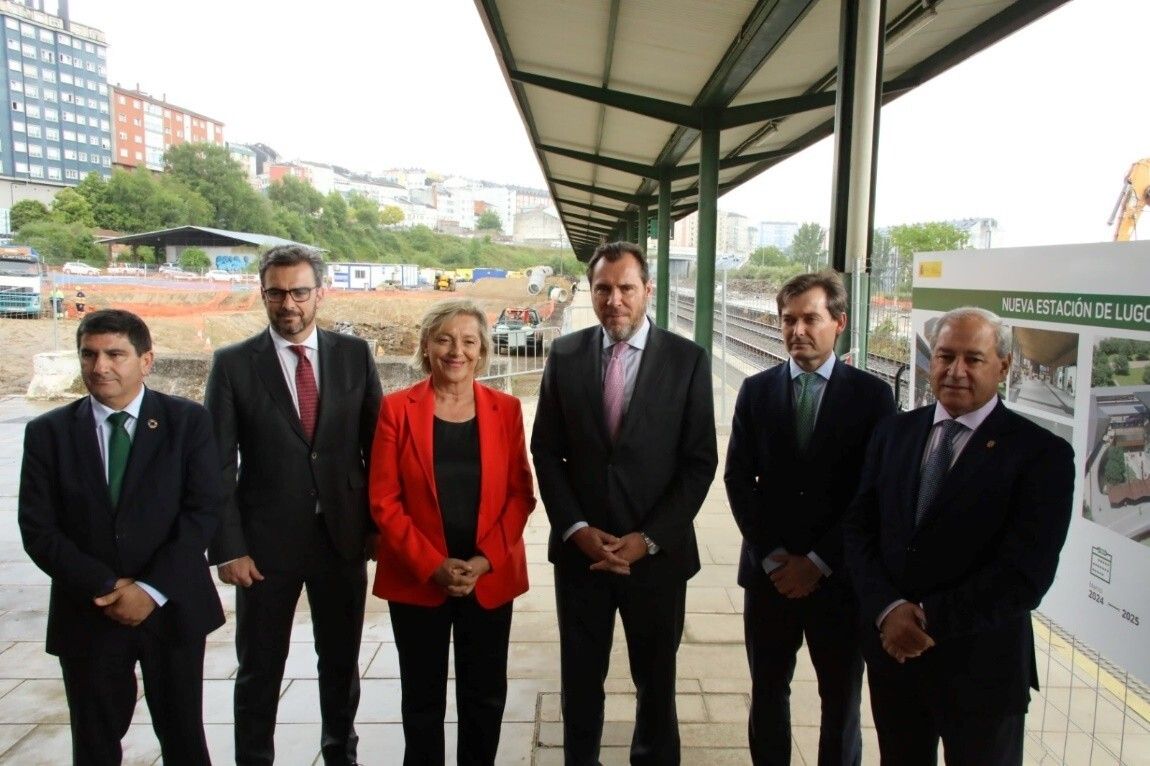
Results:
<point x="143" y="127"/>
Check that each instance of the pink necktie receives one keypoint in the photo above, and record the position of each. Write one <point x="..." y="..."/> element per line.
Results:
<point x="614" y="385"/>
<point x="306" y="391"/>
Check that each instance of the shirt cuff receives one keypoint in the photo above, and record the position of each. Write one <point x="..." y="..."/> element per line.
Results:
<point x="158" y="597"/>
<point x="769" y="564"/>
<point x="574" y="528"/>
<point x="822" y="565"/>
<point x="888" y="610"/>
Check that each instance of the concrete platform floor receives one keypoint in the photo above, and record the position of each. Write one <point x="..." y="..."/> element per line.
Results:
<point x="713" y="684"/>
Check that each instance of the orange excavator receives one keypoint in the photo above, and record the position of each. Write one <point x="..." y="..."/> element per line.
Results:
<point x="1134" y="197"/>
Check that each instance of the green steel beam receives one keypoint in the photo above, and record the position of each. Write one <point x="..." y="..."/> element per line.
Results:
<point x="615" y="213"/>
<point x="591" y="219"/>
<point x="627" y="197"/>
<point x="663" y="286"/>
<point x="634" y="168"/>
<point x="667" y="111"/>
<point x="708" y="229"/>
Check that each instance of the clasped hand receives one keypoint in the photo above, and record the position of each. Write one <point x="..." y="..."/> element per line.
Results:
<point x="458" y="577"/>
<point x="607" y="552"/>
<point x="128" y="604"/>
<point x="796" y="576"/>
<point x="903" y="632"/>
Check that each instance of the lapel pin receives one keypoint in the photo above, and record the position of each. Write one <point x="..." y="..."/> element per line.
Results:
<point x="153" y="423"/>
<point x="990" y="444"/>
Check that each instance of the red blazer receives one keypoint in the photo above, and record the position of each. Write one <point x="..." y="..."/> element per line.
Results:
<point x="406" y="509"/>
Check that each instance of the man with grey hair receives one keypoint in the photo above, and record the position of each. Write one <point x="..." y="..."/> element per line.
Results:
<point x="294" y="409"/>
<point x="953" y="539"/>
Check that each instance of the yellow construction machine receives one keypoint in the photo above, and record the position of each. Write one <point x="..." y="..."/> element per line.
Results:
<point x="1134" y="197"/>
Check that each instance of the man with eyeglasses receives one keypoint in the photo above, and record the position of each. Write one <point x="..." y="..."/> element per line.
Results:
<point x="294" y="409"/>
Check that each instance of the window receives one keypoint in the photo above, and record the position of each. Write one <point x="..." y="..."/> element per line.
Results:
<point x="69" y="154"/>
<point x="33" y="111"/>
<point x="65" y="59"/>
<point x="51" y="115"/>
<point x="13" y="44"/>
<point x="106" y="162"/>
<point x="52" y="134"/>
<point x="107" y="144"/>
<point x="71" y="175"/>
<point x="46" y="36"/>
<point x="104" y="126"/>
<point x="93" y="140"/>
<point x="122" y="135"/>
<point x="21" y="167"/>
<point x="11" y="23"/>
<point x="93" y="103"/>
<point x="19" y="146"/>
<point x="15" y="65"/>
<point x="31" y="71"/>
<point x="54" y="173"/>
<point x="135" y="103"/>
<point x="36" y="171"/>
<point x="34" y="131"/>
<point x="102" y="88"/>
<point x="35" y="150"/>
<point x="67" y="97"/>
<point x="90" y="66"/>
<point x="47" y="56"/>
<point x="64" y="39"/>
<point x="32" y="91"/>
<point x="123" y="152"/>
<point x="18" y="126"/>
<point x="49" y="95"/>
<point x="17" y="106"/>
<point x="138" y="139"/>
<point x="53" y="153"/>
<point x="103" y="107"/>
<point x="66" y="78"/>
<point x="28" y="50"/>
<point x="70" y="135"/>
<point x="48" y="75"/>
<point x="89" y="47"/>
<point x="28" y="30"/>
<point x="121" y="118"/>
<point x="82" y="157"/>
<point x="139" y="156"/>
<point x="68" y="116"/>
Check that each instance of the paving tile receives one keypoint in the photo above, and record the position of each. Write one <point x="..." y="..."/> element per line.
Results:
<point x="27" y="659"/>
<point x="35" y="701"/>
<point x="709" y="600"/>
<point x="24" y="624"/>
<point x="727" y="708"/>
<point x="714" y="628"/>
<point x="10" y="734"/>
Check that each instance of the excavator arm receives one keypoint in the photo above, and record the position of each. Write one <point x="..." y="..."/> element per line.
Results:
<point x="1134" y="197"/>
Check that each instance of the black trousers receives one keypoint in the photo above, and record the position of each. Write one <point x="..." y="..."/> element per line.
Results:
<point x="774" y="628"/>
<point x="911" y="719"/>
<point x="652" y="607"/>
<point x="422" y="635"/>
<point x="101" y="691"/>
<point x="336" y="590"/>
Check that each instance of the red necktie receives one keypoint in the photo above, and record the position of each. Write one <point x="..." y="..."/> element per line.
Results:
<point x="306" y="391"/>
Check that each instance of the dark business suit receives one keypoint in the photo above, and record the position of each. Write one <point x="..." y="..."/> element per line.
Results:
<point x="783" y="497"/>
<point x="271" y="516"/>
<point x="652" y="479"/>
<point x="168" y="509"/>
<point x="981" y="559"/>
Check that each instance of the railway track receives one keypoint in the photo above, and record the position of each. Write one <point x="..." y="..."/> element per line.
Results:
<point x="759" y="343"/>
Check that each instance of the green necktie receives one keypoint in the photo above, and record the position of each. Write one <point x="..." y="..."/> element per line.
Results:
<point x="119" y="445"/>
<point x="805" y="409"/>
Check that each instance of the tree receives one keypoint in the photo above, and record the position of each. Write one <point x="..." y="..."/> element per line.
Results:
<point x="1120" y="364"/>
<point x="1114" y="471"/>
<point x="143" y="253"/>
<point x="365" y="210"/>
<point x="922" y="238"/>
<point x="210" y="171"/>
<point x="58" y="242"/>
<point x="489" y="220"/>
<point x="27" y="211"/>
<point x="1101" y="374"/>
<point x="807" y="246"/>
<point x="296" y="195"/>
<point x="195" y="259"/>
<point x="390" y="215"/>
<point x="334" y="215"/>
<point x="768" y="256"/>
<point x="70" y="206"/>
<point x="1146" y="374"/>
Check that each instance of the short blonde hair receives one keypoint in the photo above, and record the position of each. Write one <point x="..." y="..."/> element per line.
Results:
<point x="440" y="314"/>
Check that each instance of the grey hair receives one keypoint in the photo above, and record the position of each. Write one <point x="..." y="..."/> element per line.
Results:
<point x="440" y="314"/>
<point x="1002" y="337"/>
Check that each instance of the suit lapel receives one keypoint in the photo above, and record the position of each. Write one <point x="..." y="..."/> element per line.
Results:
<point x="420" y="416"/>
<point x="829" y="408"/>
<point x="593" y="384"/>
<point x="650" y="373"/>
<point x="88" y="455"/>
<point x="919" y="433"/>
<point x="268" y="369"/>
<point x="979" y="450"/>
<point x="330" y="372"/>
<point x="492" y="448"/>
<point x="151" y="431"/>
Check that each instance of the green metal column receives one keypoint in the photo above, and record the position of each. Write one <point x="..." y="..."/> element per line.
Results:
<point x="708" y="220"/>
<point x="663" y="286"/>
<point x="641" y="227"/>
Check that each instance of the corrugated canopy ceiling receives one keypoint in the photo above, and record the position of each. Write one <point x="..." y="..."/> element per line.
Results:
<point x="614" y="93"/>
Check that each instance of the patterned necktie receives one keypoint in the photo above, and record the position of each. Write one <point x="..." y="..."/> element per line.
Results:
<point x="935" y="468"/>
<point x="805" y="409"/>
<point x="306" y="391"/>
<point x="119" y="445"/>
<point x="614" y="388"/>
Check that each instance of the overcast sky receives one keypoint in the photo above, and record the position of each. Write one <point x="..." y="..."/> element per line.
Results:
<point x="1036" y="132"/>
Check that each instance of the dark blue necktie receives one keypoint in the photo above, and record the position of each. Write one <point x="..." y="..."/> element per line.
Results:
<point x="936" y="466"/>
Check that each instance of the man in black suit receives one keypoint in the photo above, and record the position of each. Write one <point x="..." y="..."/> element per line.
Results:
<point x="953" y="538"/>
<point x="797" y="444"/>
<point x="119" y="495"/>
<point x="624" y="449"/>
<point x="294" y="409"/>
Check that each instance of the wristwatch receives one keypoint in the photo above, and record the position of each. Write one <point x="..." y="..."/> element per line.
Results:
<point x="652" y="546"/>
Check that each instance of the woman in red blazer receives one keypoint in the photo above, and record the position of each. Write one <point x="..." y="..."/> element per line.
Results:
<point x="450" y="492"/>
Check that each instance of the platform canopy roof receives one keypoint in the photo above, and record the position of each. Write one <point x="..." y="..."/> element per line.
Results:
<point x="614" y="93"/>
<point x="198" y="236"/>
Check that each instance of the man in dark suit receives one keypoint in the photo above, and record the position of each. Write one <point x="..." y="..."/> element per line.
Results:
<point x="624" y="449"/>
<point x="953" y="538"/>
<point x="797" y="444"/>
<point x="294" y="409"/>
<point x="119" y="495"/>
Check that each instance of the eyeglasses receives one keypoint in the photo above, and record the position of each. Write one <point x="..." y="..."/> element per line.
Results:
<point x="298" y="294"/>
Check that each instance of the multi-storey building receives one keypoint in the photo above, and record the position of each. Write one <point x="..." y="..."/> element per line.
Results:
<point x="146" y="127"/>
<point x="55" y="125"/>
